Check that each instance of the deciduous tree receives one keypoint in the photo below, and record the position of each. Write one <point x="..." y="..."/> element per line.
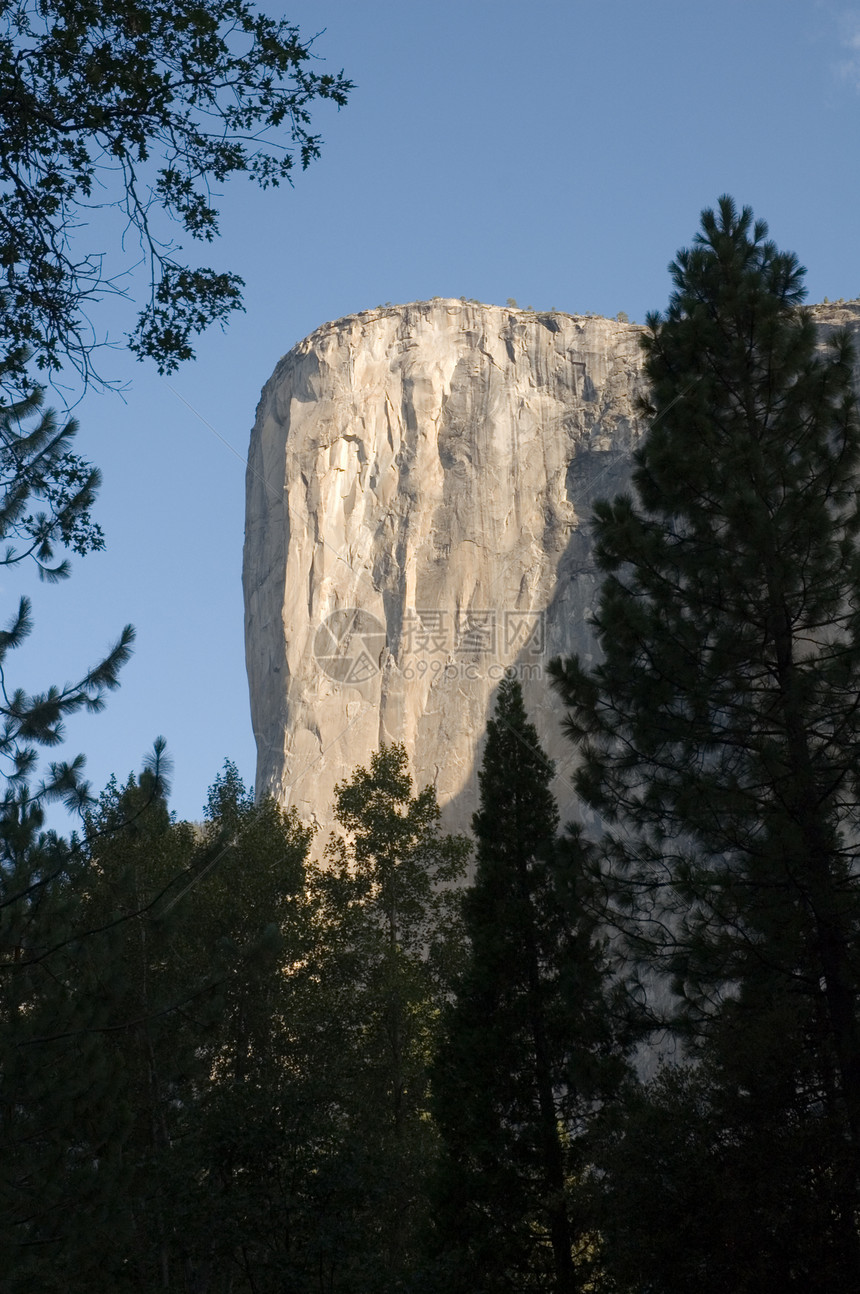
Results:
<point x="388" y="940"/>
<point x="139" y="108"/>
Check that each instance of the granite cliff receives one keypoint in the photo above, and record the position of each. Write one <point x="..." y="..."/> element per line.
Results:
<point x="419" y="488"/>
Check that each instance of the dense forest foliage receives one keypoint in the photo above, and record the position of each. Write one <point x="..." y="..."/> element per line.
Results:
<point x="236" y="1060"/>
<point x="229" y="1065"/>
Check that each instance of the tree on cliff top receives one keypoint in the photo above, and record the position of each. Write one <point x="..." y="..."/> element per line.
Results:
<point x="720" y="734"/>
<point x="140" y="106"/>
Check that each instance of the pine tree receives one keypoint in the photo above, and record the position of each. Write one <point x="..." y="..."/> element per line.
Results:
<point x="533" y="1044"/>
<point x="720" y="734"/>
<point x="49" y="1026"/>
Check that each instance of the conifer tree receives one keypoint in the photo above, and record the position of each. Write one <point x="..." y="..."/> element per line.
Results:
<point x="56" y="1076"/>
<point x="720" y="734"/>
<point x="66" y="1106"/>
<point x="533" y="1044"/>
<point x="46" y="495"/>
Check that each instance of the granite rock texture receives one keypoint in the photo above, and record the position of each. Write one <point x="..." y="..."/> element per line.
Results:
<point x="418" y="493"/>
<point x="419" y="488"/>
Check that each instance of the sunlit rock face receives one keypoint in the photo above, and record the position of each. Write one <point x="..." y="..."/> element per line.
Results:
<point x="419" y="489"/>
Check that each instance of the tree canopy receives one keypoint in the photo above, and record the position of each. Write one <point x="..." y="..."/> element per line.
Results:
<point x="386" y="908"/>
<point x="139" y="107"/>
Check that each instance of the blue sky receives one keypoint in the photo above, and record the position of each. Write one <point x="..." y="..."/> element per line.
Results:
<point x="558" y="152"/>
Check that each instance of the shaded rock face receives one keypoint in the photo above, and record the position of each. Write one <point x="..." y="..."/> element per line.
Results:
<point x="419" y="488"/>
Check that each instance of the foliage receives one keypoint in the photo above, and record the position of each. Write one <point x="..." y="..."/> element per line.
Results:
<point x="239" y="922"/>
<point x="534" y="1043"/>
<point x="152" y="1067"/>
<point x="388" y="941"/>
<point x="138" y="107"/>
<point x="107" y="1016"/>
<point x="720" y="734"/>
<point x="37" y="466"/>
<point x="709" y="1187"/>
<point x="65" y="1108"/>
<point x="58" y="1085"/>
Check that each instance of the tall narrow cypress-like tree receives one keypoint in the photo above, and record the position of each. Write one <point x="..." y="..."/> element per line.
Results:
<point x="532" y="1046"/>
<point x="720" y="734"/>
